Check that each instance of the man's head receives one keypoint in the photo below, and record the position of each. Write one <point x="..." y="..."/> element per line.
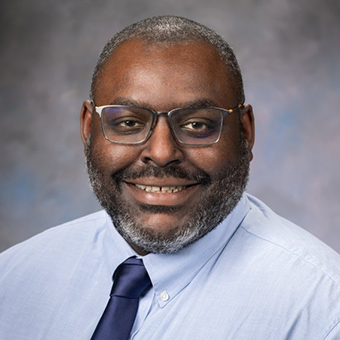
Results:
<point x="170" y="30"/>
<point x="160" y="193"/>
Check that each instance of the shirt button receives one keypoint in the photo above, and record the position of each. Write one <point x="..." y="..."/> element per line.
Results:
<point x="164" y="296"/>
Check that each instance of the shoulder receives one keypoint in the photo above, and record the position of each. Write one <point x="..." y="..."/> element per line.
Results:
<point x="63" y="240"/>
<point x="52" y="272"/>
<point x="288" y="242"/>
<point x="285" y="270"/>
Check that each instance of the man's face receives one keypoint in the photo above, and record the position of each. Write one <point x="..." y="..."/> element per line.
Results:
<point x="162" y="195"/>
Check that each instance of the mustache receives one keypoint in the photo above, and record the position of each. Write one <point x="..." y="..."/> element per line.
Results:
<point x="173" y="171"/>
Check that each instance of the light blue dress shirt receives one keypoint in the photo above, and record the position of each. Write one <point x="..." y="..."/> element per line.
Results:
<point x="256" y="276"/>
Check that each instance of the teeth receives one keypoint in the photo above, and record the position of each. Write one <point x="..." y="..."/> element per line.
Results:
<point x="168" y="190"/>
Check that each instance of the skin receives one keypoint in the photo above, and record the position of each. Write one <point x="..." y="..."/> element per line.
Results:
<point x="162" y="78"/>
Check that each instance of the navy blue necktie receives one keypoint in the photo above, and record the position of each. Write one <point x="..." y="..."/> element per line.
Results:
<point x="130" y="281"/>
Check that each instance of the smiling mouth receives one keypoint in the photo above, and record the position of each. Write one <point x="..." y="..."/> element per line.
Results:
<point x="164" y="190"/>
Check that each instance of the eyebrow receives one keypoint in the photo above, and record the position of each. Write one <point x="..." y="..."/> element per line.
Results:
<point x="201" y="103"/>
<point x="190" y="104"/>
<point x="125" y="101"/>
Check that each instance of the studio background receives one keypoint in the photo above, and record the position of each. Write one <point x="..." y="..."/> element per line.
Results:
<point x="289" y="54"/>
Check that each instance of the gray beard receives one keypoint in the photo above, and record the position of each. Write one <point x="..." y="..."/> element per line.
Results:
<point x="215" y="205"/>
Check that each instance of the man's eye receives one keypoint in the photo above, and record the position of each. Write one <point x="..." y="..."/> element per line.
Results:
<point x="130" y="123"/>
<point x="126" y="125"/>
<point x="197" y="126"/>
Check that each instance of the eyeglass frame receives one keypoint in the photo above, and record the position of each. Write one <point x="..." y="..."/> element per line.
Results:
<point x="155" y="114"/>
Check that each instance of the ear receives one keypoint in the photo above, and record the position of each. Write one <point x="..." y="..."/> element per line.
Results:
<point x="86" y="121"/>
<point x="248" y="128"/>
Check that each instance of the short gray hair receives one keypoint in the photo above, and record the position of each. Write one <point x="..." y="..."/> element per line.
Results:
<point x="171" y="30"/>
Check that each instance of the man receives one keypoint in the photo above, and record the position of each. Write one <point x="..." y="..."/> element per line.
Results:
<point x="168" y="142"/>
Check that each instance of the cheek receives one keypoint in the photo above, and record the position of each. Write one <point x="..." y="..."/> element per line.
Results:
<point x="110" y="157"/>
<point x="211" y="160"/>
<point x="215" y="158"/>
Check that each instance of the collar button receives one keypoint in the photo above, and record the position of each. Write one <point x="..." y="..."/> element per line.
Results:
<point x="164" y="296"/>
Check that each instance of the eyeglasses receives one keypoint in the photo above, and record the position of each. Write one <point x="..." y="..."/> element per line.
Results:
<point x="190" y="126"/>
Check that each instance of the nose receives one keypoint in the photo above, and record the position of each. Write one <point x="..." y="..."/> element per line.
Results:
<point x="161" y="148"/>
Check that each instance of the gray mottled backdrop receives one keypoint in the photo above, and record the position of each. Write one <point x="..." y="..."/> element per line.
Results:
<point x="289" y="52"/>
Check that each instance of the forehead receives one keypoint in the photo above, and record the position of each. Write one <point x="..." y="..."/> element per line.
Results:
<point x="171" y="72"/>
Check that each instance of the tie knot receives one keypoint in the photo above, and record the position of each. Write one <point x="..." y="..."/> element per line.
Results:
<point x="130" y="279"/>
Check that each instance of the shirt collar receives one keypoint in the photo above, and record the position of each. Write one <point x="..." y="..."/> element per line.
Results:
<point x="116" y="249"/>
<point x="170" y="273"/>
